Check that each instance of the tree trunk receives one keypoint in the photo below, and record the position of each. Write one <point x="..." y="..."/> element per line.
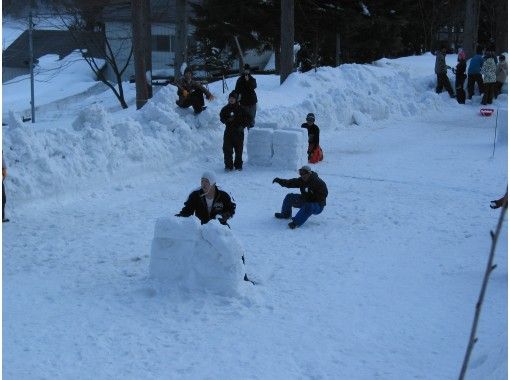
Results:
<point x="471" y="21"/>
<point x="287" y="39"/>
<point x="148" y="43"/>
<point x="181" y="36"/>
<point x="139" y="53"/>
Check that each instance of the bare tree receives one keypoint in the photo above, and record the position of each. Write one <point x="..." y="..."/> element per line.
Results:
<point x="96" y="46"/>
<point x="471" y="23"/>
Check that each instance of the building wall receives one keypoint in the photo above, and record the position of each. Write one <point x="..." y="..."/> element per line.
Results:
<point x="9" y="73"/>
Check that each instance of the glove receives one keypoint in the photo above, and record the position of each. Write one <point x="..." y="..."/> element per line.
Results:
<point x="210" y="97"/>
<point x="277" y="180"/>
<point x="185" y="93"/>
<point x="179" y="215"/>
<point x="4" y="173"/>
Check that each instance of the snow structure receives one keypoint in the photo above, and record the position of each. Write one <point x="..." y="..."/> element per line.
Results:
<point x="282" y="148"/>
<point x="197" y="257"/>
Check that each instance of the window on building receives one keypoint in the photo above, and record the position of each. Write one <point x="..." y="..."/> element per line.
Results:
<point x="160" y="43"/>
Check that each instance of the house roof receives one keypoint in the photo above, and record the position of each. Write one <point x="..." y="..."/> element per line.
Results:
<point x="161" y="11"/>
<point x="51" y="42"/>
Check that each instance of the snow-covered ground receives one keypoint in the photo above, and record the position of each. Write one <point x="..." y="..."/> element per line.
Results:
<point x="381" y="285"/>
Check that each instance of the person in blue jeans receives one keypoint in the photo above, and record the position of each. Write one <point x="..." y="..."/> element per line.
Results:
<point x="311" y="201"/>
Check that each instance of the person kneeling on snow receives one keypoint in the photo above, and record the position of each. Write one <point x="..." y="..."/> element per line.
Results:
<point x="311" y="200"/>
<point x="191" y="93"/>
<point x="208" y="202"/>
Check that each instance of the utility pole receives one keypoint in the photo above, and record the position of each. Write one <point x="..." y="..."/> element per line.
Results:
<point x="148" y="43"/>
<point x="31" y="60"/>
<point x="471" y="20"/>
<point x="287" y="39"/>
<point x="139" y="53"/>
<point x="181" y="37"/>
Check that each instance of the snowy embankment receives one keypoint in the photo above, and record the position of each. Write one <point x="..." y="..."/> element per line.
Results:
<point x="99" y="145"/>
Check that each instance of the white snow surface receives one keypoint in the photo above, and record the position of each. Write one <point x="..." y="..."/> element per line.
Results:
<point x="382" y="284"/>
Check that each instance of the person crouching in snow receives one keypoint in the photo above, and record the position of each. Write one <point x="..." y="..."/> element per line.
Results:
<point x="314" y="150"/>
<point x="235" y="118"/>
<point x="191" y="93"/>
<point x="208" y="202"/>
<point x="311" y="200"/>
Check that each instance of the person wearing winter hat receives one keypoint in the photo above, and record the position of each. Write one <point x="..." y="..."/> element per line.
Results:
<point x="208" y="202"/>
<point x="501" y="74"/>
<point x="235" y="118"/>
<point x="245" y="87"/>
<point x="474" y="75"/>
<point x="314" y="150"/>
<point x="311" y="201"/>
<point x="460" y="77"/>
<point x="191" y="92"/>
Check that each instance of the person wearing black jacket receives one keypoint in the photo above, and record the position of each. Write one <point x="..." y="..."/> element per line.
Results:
<point x="313" y="134"/>
<point x="235" y="119"/>
<point x="208" y="202"/>
<point x="460" y="77"/>
<point x="245" y="88"/>
<point x="312" y="199"/>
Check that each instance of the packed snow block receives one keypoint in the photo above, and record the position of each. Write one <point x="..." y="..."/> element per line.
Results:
<point x="172" y="248"/>
<point x="502" y="129"/>
<point x="266" y="125"/>
<point x="260" y="146"/>
<point x="191" y="256"/>
<point x="289" y="148"/>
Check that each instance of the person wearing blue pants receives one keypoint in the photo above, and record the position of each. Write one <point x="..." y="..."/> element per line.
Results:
<point x="311" y="201"/>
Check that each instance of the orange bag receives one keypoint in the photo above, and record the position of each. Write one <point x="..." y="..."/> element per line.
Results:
<point x="315" y="155"/>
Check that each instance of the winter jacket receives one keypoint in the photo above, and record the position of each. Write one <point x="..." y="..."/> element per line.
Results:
<point x="246" y="89"/>
<point x="189" y="86"/>
<point x="313" y="134"/>
<point x="475" y="65"/>
<point x="440" y="67"/>
<point x="196" y="204"/>
<point x="489" y="71"/>
<point x="460" y="71"/>
<point x="234" y="117"/>
<point x="313" y="190"/>
<point x="501" y="72"/>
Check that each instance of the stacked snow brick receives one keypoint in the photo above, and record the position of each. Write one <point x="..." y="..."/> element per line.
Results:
<point x="502" y="126"/>
<point x="187" y="255"/>
<point x="282" y="148"/>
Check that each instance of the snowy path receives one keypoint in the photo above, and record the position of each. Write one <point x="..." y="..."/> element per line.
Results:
<point x="409" y="203"/>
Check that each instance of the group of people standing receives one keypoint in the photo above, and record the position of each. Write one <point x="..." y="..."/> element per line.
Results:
<point x="486" y="71"/>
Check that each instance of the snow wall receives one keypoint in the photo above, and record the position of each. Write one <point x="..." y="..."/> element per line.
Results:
<point x="187" y="255"/>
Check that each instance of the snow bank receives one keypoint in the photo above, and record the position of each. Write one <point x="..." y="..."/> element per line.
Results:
<point x="191" y="256"/>
<point x="100" y="145"/>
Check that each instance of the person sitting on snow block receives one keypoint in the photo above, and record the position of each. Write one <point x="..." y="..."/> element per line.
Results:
<point x="314" y="150"/>
<point x="311" y="200"/>
<point x="208" y="202"/>
<point x="191" y="93"/>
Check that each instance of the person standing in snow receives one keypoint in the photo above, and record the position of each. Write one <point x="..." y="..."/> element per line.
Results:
<point x="235" y="118"/>
<point x="314" y="150"/>
<point x="311" y="201"/>
<point x="474" y="75"/>
<point x="191" y="93"/>
<point x="245" y="88"/>
<point x="4" y="198"/>
<point x="440" y="70"/>
<point x="208" y="202"/>
<point x="489" y="77"/>
<point x="460" y="77"/>
<point x="501" y="73"/>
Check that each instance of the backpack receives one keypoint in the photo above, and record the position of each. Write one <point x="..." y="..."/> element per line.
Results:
<point x="315" y="155"/>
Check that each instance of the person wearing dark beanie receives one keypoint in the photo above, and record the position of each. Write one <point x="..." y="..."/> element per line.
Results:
<point x="245" y="87"/>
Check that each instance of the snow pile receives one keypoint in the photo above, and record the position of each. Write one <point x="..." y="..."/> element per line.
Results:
<point x="196" y="257"/>
<point x="100" y="145"/>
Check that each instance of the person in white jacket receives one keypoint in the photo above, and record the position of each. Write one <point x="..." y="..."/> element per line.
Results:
<point x="489" y="77"/>
<point x="501" y="74"/>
